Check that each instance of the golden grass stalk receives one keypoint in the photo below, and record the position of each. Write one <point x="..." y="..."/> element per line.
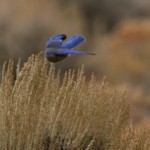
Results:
<point x="38" y="111"/>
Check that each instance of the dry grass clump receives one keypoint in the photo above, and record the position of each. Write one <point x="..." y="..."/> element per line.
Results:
<point x="39" y="111"/>
<point x="124" y="56"/>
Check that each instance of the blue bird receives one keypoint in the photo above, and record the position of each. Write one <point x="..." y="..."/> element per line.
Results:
<point x="56" y="50"/>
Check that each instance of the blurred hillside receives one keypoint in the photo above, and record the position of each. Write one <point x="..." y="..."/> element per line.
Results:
<point x="117" y="31"/>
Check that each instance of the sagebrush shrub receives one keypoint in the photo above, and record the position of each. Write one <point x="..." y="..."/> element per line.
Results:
<point x="38" y="110"/>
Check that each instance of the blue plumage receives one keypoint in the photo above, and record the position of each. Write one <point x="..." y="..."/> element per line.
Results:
<point x="74" y="41"/>
<point x="55" y="40"/>
<point x="56" y="50"/>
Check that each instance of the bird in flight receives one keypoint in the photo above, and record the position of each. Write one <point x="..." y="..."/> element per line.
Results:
<point x="57" y="50"/>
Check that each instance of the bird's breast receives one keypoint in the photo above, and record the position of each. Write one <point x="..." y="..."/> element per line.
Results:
<point x="52" y="56"/>
<point x="56" y="58"/>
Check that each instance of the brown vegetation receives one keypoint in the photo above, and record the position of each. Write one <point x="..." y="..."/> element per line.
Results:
<point x="39" y="111"/>
<point x="45" y="109"/>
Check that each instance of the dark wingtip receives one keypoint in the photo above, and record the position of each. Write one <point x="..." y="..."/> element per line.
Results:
<point x="64" y="36"/>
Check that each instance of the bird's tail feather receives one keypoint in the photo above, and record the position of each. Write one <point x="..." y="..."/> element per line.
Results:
<point x="73" y="52"/>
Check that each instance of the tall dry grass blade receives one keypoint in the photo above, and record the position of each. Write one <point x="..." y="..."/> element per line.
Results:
<point x="38" y="111"/>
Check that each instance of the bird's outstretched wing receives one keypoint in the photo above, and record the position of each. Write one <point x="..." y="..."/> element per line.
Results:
<point x="55" y="41"/>
<point x="73" y="41"/>
<point x="71" y="51"/>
